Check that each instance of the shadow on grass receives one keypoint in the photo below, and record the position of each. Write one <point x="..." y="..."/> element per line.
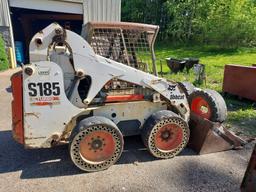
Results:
<point x="193" y="52"/>
<point x="234" y="103"/>
<point x="198" y="51"/>
<point x="42" y="163"/>
<point x="241" y="115"/>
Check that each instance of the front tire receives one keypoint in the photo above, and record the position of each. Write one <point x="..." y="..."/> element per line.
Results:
<point x="95" y="144"/>
<point x="165" y="134"/>
<point x="208" y="104"/>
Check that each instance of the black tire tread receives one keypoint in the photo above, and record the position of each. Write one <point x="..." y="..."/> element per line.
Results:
<point x="151" y="121"/>
<point x="150" y="124"/>
<point x="215" y="101"/>
<point x="92" y="121"/>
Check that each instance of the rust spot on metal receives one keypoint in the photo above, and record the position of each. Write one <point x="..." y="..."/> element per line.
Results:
<point x="209" y="137"/>
<point x="123" y="25"/>
<point x="32" y="138"/>
<point x="55" y="137"/>
<point x="33" y="114"/>
<point x="156" y="81"/>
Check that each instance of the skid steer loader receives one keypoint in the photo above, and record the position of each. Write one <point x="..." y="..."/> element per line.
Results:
<point x="69" y="94"/>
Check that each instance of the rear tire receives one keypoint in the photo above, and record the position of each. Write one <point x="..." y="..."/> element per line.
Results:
<point x="208" y="104"/>
<point x="165" y="134"/>
<point x="95" y="144"/>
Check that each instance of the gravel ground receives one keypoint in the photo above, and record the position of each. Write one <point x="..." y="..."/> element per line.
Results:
<point x="52" y="170"/>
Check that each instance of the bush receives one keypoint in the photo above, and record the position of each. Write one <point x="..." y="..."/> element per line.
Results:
<point x="3" y="57"/>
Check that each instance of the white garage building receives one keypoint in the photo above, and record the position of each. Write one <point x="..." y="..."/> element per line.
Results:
<point x="21" y="19"/>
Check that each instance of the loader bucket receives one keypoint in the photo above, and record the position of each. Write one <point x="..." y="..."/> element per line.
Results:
<point x="210" y="137"/>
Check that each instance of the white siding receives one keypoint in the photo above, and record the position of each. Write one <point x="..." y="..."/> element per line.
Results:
<point x="64" y="6"/>
<point x="102" y="10"/>
<point x="4" y="13"/>
<point x="76" y="1"/>
<point x="93" y="10"/>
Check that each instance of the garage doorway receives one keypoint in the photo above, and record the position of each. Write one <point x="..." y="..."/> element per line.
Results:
<point x="27" y="22"/>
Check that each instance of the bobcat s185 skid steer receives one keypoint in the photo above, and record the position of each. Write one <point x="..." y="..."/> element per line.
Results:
<point x="70" y="94"/>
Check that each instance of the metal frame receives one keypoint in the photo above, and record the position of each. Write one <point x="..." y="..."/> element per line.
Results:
<point x="136" y="40"/>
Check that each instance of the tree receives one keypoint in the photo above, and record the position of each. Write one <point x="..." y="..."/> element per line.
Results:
<point x="228" y="23"/>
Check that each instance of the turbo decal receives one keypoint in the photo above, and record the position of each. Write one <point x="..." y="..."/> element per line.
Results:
<point x="42" y="101"/>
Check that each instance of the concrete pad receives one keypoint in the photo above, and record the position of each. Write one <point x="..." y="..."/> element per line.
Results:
<point x="52" y="169"/>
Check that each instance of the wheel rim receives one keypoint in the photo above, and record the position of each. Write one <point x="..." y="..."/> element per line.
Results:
<point x="201" y="107"/>
<point x="168" y="137"/>
<point x="97" y="147"/>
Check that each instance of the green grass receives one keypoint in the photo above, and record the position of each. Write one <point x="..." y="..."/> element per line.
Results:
<point x="242" y="114"/>
<point x="3" y="56"/>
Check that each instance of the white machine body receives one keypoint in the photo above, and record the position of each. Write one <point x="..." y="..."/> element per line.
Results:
<point x="52" y="104"/>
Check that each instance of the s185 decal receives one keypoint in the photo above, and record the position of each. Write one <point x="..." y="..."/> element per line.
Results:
<point x="44" y="89"/>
